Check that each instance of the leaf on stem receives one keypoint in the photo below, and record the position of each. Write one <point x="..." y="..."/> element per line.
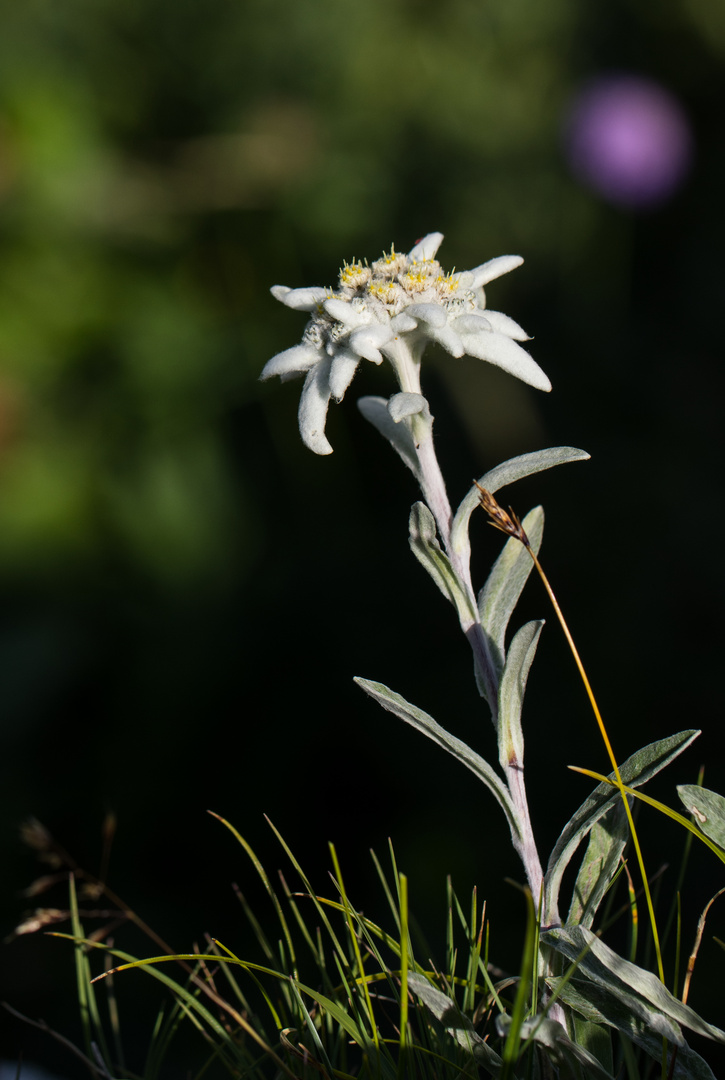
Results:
<point x="509" y="471"/>
<point x="375" y="410"/>
<point x="601" y="1006"/>
<point x="551" y="1034"/>
<point x="708" y="810"/>
<point x="646" y="995"/>
<point x="403" y="405"/>
<point x="455" y="1022"/>
<point x="636" y="770"/>
<point x="427" y="550"/>
<point x="500" y="595"/>
<point x="607" y="841"/>
<point x="424" y="723"/>
<point x="511" y="694"/>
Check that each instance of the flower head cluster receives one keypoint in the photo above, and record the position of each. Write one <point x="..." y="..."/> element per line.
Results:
<point x="391" y="310"/>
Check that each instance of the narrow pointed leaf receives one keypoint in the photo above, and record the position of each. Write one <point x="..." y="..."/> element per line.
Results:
<point x="424" y="723"/>
<point x="312" y="411"/>
<point x="494" y="268"/>
<point x="649" y="998"/>
<point x="458" y="1026"/>
<point x="597" y="1039"/>
<point x="607" y="841"/>
<point x="507" y="354"/>
<point x="599" y="1005"/>
<point x="514" y="469"/>
<point x="402" y="405"/>
<point x="426" y="548"/>
<point x="375" y="410"/>
<point x="635" y="771"/>
<point x="503" y="588"/>
<point x="427" y="248"/>
<point x="708" y="810"/>
<point x="551" y="1034"/>
<point x="511" y="694"/>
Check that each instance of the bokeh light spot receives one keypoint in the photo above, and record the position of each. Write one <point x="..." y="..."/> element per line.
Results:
<point x="629" y="139"/>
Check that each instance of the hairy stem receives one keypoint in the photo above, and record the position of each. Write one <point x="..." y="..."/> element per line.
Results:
<point x="406" y="362"/>
<point x="434" y="492"/>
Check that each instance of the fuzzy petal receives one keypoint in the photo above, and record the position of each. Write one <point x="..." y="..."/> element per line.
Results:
<point x="402" y="323"/>
<point x="470" y="324"/>
<point x="343" y="368"/>
<point x="426" y="248"/>
<point x="448" y="339"/>
<point x="402" y="405"/>
<point x="504" y="325"/>
<point x="344" y="312"/>
<point x="300" y="299"/>
<point x="462" y="280"/>
<point x="294" y="361"/>
<point x="280" y="291"/>
<point x="494" y="268"/>
<point x="313" y="408"/>
<point x="368" y="340"/>
<point x="432" y="314"/>
<point x="500" y="350"/>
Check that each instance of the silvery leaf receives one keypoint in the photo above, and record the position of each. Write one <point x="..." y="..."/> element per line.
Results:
<point x="635" y="771"/>
<point x="426" y="548"/>
<point x="599" y="1005"/>
<point x="402" y="405"/>
<point x="551" y="1034"/>
<point x="458" y="1026"/>
<point x="607" y="841"/>
<point x="514" y="469"/>
<point x="397" y="705"/>
<point x="511" y="694"/>
<point x="648" y="998"/>
<point x="375" y="409"/>
<point x="504" y="585"/>
<point x="708" y="810"/>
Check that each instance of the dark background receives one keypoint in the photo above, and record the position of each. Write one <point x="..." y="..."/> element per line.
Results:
<point x="186" y="591"/>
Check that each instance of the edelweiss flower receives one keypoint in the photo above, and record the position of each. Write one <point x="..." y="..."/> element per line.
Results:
<point x="391" y="310"/>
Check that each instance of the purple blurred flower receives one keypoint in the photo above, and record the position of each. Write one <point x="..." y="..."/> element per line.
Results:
<point x="629" y="139"/>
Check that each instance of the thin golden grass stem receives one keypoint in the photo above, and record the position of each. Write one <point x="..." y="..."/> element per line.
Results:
<point x="610" y="752"/>
<point x="402" y="1063"/>
<point x="511" y="526"/>
<point x="633" y="914"/>
<point x="662" y="807"/>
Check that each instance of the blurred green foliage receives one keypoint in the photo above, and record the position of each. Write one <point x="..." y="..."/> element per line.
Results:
<point x="164" y="536"/>
<point x="161" y="164"/>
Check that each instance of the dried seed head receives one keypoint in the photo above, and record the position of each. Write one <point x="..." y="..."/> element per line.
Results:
<point x="508" y="523"/>
<point x="39" y="920"/>
<point x="42" y="884"/>
<point x="35" y="835"/>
